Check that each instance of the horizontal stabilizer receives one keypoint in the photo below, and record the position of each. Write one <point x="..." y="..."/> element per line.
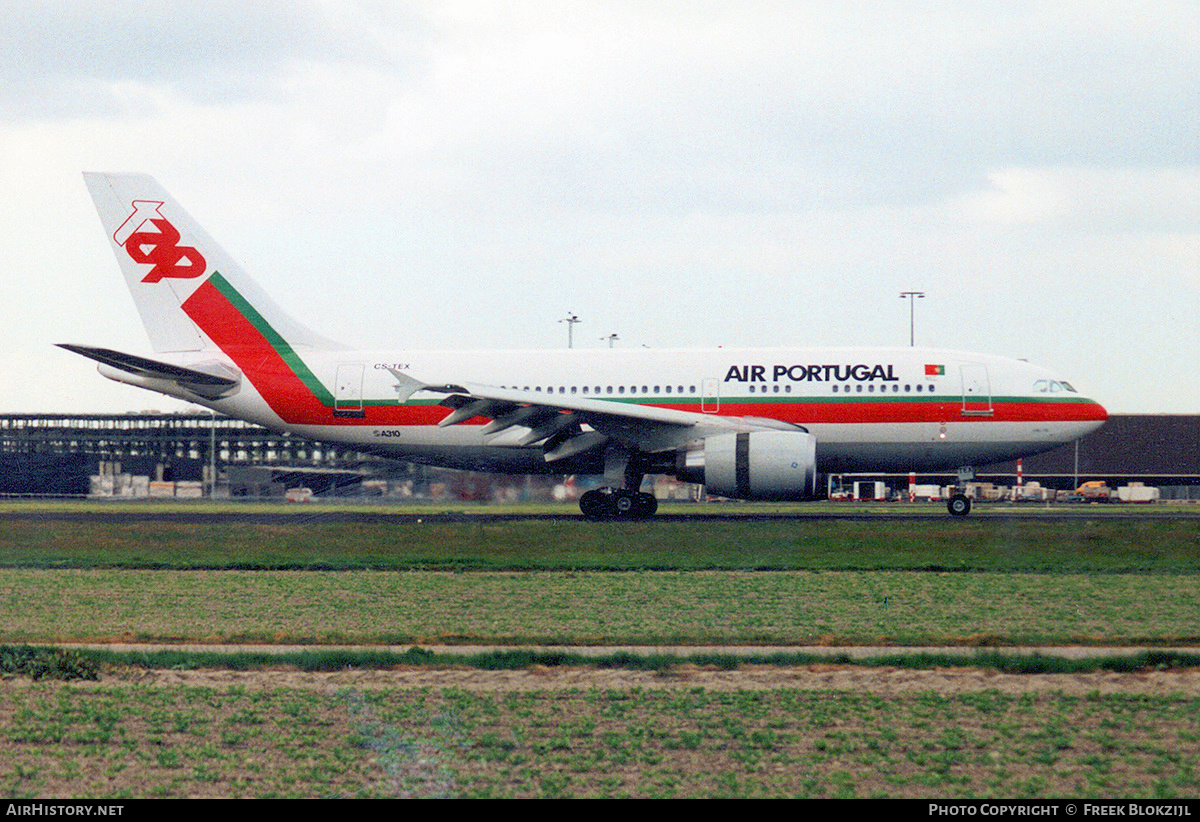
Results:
<point x="406" y="386"/>
<point x="211" y="380"/>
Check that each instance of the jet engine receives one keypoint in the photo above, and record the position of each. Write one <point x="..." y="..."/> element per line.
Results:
<point x="759" y="465"/>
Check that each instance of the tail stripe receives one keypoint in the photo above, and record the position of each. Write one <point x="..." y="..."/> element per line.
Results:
<point x="281" y="347"/>
<point x="269" y="363"/>
<point x="275" y="370"/>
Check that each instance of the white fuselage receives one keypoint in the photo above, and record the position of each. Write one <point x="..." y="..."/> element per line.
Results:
<point x="884" y="409"/>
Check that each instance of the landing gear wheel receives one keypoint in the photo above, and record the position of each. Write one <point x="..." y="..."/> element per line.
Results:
<point x="959" y="505"/>
<point x="596" y="505"/>
<point x="624" y="504"/>
<point x="633" y="504"/>
<point x="617" y="503"/>
<point x="646" y="505"/>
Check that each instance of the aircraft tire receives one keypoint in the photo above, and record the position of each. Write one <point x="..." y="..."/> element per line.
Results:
<point x="596" y="505"/>
<point x="602" y="504"/>
<point x="624" y="504"/>
<point x="633" y="505"/>
<point x="647" y="505"/>
<point x="959" y="505"/>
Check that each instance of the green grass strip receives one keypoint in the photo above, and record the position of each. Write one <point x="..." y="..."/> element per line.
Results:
<point x="47" y="663"/>
<point x="515" y="660"/>
<point x="1087" y="546"/>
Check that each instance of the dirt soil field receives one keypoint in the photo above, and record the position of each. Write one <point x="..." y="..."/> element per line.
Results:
<point x="881" y="681"/>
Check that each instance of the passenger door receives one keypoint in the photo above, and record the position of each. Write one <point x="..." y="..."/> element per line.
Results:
<point x="976" y="391"/>
<point x="347" y="395"/>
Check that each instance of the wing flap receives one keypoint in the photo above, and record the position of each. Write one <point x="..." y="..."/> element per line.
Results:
<point x="468" y="410"/>
<point x="570" y="425"/>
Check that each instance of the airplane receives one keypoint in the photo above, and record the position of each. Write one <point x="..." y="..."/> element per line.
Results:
<point x="751" y="424"/>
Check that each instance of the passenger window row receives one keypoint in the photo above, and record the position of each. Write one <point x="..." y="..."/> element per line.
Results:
<point x="679" y="390"/>
<point x="605" y="390"/>
<point x="883" y="389"/>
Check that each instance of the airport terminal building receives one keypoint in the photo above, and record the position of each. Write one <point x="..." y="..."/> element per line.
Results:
<point x="152" y="454"/>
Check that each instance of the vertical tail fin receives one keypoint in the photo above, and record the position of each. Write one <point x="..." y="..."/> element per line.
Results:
<point x="170" y="263"/>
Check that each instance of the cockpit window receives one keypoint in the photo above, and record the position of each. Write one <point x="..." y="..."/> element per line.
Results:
<point x="1052" y="387"/>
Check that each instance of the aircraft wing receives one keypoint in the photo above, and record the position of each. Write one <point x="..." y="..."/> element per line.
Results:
<point x="212" y="380"/>
<point x="570" y="425"/>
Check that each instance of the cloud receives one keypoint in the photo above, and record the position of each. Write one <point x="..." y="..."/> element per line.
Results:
<point x="1087" y="199"/>
<point x="461" y="174"/>
<point x="783" y="106"/>
<point x="750" y="106"/>
<point x="61" y="59"/>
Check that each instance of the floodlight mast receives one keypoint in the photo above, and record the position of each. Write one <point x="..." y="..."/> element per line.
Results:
<point x="912" y="297"/>
<point x="570" y="320"/>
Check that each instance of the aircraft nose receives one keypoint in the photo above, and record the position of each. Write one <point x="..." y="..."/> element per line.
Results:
<point x="1093" y="415"/>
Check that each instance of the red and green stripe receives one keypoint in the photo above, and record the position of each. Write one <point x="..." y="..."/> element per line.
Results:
<point x="295" y="394"/>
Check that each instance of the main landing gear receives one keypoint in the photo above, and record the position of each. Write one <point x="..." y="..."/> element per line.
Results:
<point x="617" y="503"/>
<point x="626" y="469"/>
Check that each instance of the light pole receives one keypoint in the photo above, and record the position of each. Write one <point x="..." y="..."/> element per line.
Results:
<point x="912" y="297"/>
<point x="212" y="453"/>
<point x="570" y="320"/>
<point x="611" y="339"/>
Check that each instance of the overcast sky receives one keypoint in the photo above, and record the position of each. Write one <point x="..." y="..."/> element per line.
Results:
<point x="464" y="175"/>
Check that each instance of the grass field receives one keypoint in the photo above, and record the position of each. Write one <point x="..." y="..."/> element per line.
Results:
<point x="932" y="580"/>
<point x="902" y="582"/>
<point x="1082" y="545"/>
<point x="598" y="607"/>
<point x="132" y="741"/>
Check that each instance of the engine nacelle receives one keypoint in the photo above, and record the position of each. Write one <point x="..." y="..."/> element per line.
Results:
<point x="760" y="465"/>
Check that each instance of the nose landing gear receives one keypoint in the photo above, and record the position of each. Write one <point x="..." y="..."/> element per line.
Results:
<point x="959" y="505"/>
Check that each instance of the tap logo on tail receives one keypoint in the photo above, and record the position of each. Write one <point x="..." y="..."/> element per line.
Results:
<point x="158" y="247"/>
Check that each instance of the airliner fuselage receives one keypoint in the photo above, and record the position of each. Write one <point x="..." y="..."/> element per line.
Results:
<point x="870" y="409"/>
